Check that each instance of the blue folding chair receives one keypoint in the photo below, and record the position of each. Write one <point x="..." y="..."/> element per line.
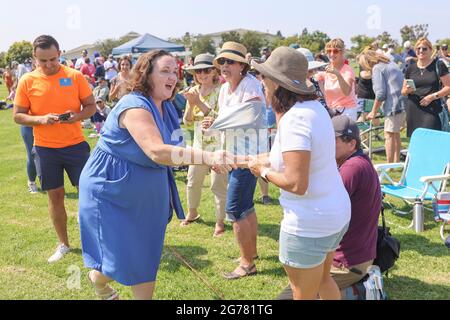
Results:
<point x="425" y="171"/>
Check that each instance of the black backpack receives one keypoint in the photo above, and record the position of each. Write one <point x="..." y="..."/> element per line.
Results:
<point x="388" y="247"/>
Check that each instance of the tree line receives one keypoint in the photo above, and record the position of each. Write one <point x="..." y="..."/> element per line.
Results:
<point x="253" y="41"/>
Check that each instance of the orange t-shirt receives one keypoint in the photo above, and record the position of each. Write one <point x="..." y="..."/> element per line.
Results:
<point x="43" y="94"/>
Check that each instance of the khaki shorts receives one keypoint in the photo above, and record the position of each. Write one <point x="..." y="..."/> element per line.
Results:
<point x="345" y="278"/>
<point x="394" y="123"/>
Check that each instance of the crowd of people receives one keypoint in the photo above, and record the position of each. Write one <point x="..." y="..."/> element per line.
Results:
<point x="127" y="190"/>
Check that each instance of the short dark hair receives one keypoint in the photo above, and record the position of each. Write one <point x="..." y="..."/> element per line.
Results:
<point x="348" y="139"/>
<point x="283" y="99"/>
<point x="45" y="42"/>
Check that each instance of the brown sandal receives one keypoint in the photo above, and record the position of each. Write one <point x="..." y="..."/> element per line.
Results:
<point x="248" y="272"/>
<point x="218" y="232"/>
<point x="187" y="222"/>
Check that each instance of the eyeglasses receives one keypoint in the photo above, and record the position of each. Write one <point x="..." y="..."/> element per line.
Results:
<point x="334" y="51"/>
<point x="424" y="49"/>
<point x="222" y="61"/>
<point x="205" y="71"/>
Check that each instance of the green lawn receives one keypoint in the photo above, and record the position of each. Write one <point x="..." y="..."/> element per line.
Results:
<point x="27" y="239"/>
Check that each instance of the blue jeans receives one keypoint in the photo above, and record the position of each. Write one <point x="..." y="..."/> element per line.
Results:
<point x="28" y="139"/>
<point x="241" y="188"/>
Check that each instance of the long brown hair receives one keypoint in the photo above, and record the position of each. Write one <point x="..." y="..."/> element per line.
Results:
<point x="142" y="70"/>
<point x="283" y="99"/>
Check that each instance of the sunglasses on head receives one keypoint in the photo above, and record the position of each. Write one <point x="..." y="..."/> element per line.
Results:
<point x="205" y="71"/>
<point x="424" y="49"/>
<point x="334" y="51"/>
<point x="222" y="61"/>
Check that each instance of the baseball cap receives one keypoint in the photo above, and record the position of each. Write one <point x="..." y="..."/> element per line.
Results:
<point x="444" y="46"/>
<point x="344" y="126"/>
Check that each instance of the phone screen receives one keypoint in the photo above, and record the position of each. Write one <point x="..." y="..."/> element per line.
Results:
<point x="411" y="83"/>
<point x="64" y="116"/>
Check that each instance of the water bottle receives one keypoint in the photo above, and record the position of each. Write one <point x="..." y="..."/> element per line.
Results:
<point x="418" y="216"/>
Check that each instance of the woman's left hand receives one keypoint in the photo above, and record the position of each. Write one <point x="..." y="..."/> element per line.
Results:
<point x="426" y="101"/>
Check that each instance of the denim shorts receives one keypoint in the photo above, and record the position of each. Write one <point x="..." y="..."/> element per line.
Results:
<point x="51" y="163"/>
<point x="241" y="188"/>
<point x="305" y="253"/>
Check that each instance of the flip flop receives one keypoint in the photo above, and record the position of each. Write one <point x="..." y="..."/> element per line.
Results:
<point x="218" y="232"/>
<point x="234" y="276"/>
<point x="186" y="222"/>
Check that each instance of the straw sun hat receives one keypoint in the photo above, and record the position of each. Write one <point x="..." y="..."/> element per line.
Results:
<point x="288" y="68"/>
<point x="233" y="51"/>
<point x="202" y="61"/>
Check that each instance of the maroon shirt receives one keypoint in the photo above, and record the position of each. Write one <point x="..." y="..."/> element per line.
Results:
<point x="362" y="184"/>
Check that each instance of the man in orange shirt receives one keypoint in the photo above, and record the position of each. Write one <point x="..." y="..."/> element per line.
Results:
<point x="54" y="99"/>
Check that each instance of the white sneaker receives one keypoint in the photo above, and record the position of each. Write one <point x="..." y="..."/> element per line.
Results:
<point x="32" y="187"/>
<point x="60" y="252"/>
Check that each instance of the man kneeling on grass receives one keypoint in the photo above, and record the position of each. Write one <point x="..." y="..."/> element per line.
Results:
<point x="357" y="249"/>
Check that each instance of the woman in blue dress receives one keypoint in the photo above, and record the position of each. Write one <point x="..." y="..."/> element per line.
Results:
<point x="127" y="189"/>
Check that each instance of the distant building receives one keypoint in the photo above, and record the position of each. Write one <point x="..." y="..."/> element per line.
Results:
<point x="217" y="37"/>
<point x="91" y="48"/>
<point x="76" y="52"/>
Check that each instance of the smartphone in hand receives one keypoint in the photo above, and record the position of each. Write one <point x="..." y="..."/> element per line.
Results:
<point x="411" y="84"/>
<point x="64" y="117"/>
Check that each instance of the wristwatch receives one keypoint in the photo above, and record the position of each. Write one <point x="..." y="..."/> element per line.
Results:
<point x="436" y="96"/>
<point x="264" y="173"/>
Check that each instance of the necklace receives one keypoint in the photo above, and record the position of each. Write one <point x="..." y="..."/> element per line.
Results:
<point x="423" y="68"/>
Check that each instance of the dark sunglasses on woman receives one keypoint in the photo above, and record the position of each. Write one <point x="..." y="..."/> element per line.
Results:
<point x="222" y="61"/>
<point x="424" y="49"/>
<point x="334" y="51"/>
<point x="205" y="71"/>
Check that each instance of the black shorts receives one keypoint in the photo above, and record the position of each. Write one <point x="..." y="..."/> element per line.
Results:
<point x="51" y="163"/>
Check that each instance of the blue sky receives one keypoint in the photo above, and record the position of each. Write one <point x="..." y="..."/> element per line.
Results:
<point x="77" y="22"/>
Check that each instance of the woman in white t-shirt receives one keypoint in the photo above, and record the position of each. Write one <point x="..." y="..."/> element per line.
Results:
<point x="238" y="89"/>
<point x="302" y="163"/>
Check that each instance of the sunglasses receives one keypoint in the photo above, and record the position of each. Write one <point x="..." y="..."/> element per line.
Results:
<point x="222" y="61"/>
<point x="334" y="51"/>
<point x="424" y="49"/>
<point x="205" y="71"/>
<point x="99" y="102"/>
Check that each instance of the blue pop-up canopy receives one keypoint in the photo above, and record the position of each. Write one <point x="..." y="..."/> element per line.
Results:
<point x="145" y="43"/>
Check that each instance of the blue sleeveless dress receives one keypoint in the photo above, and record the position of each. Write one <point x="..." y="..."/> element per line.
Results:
<point x="126" y="200"/>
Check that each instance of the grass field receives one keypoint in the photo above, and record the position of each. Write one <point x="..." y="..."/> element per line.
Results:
<point x="193" y="260"/>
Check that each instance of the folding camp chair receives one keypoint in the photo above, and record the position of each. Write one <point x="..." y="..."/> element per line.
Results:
<point x="425" y="171"/>
<point x="369" y="132"/>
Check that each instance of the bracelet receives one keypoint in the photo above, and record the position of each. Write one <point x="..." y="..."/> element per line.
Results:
<point x="264" y="173"/>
